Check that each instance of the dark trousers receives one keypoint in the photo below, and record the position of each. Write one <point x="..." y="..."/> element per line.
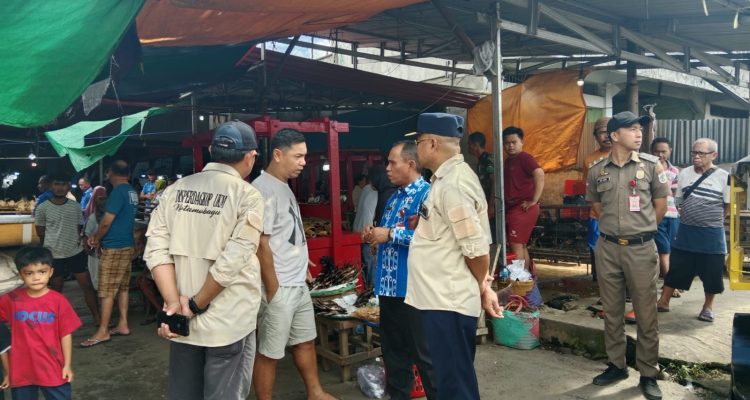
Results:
<point x="452" y="340"/>
<point x="211" y="373"/>
<point x="31" y="392"/>
<point x="403" y="342"/>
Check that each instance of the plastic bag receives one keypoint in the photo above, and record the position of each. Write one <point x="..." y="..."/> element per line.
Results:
<point x="518" y="272"/>
<point x="371" y="380"/>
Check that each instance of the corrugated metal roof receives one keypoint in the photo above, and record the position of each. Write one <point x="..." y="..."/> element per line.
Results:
<point x="331" y="75"/>
<point x="420" y="30"/>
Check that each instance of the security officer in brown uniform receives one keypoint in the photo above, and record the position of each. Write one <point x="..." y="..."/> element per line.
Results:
<point x="629" y="191"/>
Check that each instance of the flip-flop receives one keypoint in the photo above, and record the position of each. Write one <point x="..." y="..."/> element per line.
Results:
<point x="93" y="342"/>
<point x="661" y="309"/>
<point x="706" y="316"/>
<point x="116" y="332"/>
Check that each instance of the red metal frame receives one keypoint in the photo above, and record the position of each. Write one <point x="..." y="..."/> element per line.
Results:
<point x="340" y="246"/>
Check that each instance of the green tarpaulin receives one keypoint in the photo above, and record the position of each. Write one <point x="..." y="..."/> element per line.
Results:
<point x="52" y="50"/>
<point x="70" y="140"/>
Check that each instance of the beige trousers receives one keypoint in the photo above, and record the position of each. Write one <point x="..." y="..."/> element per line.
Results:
<point x="636" y="268"/>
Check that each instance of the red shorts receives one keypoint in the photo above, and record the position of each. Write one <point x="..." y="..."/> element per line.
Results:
<point x="520" y="223"/>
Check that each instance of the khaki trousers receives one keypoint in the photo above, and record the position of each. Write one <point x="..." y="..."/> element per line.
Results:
<point x="635" y="268"/>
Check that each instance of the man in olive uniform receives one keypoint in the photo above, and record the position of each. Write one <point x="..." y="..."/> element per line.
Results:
<point x="629" y="191"/>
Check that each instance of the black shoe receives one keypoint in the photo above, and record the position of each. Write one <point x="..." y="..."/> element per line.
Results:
<point x="611" y="375"/>
<point x="650" y="388"/>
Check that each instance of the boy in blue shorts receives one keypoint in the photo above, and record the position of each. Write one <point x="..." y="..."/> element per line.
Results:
<point x="41" y="323"/>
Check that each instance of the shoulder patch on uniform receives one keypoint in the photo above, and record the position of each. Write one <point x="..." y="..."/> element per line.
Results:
<point x="648" y="157"/>
<point x="597" y="161"/>
<point x="255" y="220"/>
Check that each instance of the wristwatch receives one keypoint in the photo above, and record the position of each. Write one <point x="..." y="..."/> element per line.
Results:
<point x="194" y="307"/>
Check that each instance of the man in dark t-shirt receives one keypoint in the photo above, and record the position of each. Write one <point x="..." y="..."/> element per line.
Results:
<point x="115" y="237"/>
<point x="485" y="172"/>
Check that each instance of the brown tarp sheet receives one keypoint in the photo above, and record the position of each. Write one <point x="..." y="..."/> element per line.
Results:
<point x="217" y="22"/>
<point x="551" y="111"/>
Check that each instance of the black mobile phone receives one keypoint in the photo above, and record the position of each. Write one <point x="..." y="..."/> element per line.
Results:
<point x="177" y="323"/>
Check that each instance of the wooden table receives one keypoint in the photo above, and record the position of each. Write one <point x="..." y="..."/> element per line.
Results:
<point x="348" y="348"/>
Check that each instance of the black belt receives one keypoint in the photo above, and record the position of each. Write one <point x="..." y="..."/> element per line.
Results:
<point x="629" y="241"/>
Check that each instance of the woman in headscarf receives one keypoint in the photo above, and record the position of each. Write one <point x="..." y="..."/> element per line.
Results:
<point x="90" y="209"/>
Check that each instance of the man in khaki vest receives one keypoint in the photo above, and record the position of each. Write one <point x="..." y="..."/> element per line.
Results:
<point x="628" y="190"/>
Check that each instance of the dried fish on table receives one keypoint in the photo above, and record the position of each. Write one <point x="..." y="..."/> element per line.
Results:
<point x="335" y="277"/>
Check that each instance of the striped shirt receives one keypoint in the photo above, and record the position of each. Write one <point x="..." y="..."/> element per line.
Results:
<point x="672" y="173"/>
<point x="60" y="224"/>
<point x="705" y="206"/>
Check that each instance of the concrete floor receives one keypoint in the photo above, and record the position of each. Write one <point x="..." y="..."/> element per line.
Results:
<point x="135" y="367"/>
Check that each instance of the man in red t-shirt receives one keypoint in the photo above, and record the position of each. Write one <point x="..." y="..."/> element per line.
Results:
<point x="524" y="182"/>
<point x="41" y="323"/>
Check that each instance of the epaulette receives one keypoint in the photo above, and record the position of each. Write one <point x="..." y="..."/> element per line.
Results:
<point x="598" y="161"/>
<point x="648" y="157"/>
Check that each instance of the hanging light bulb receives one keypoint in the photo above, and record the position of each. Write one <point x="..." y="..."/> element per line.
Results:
<point x="579" y="82"/>
<point x="34" y="164"/>
<point x="326" y="166"/>
<point x="32" y="156"/>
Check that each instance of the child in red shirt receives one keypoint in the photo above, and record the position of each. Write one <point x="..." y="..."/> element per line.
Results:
<point x="41" y="323"/>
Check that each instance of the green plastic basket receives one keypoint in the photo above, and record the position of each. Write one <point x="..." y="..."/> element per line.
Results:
<point x="518" y="331"/>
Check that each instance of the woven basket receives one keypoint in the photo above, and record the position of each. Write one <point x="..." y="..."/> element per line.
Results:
<point x="520" y="288"/>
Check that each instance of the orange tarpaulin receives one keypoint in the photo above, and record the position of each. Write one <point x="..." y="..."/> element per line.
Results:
<point x="549" y="108"/>
<point x="217" y="22"/>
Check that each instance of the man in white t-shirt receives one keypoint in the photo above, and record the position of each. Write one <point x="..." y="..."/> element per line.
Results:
<point x="286" y="315"/>
<point x="368" y="201"/>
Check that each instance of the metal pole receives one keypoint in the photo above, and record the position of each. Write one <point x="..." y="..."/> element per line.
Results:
<point x="497" y="125"/>
<point x="194" y="130"/>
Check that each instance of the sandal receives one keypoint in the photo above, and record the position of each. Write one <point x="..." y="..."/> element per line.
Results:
<point x="117" y="332"/>
<point x="93" y="342"/>
<point x="676" y="294"/>
<point x="706" y="316"/>
<point x="661" y="308"/>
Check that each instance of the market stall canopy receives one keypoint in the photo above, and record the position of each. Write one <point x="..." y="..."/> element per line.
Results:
<point x="70" y="141"/>
<point x="554" y="139"/>
<point x="213" y="22"/>
<point x="52" y="50"/>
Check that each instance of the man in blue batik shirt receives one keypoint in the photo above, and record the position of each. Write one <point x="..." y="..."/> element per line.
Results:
<point x="401" y="335"/>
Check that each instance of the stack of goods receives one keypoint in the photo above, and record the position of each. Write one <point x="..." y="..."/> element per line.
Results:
<point x="367" y="307"/>
<point x="19" y="207"/>
<point x="315" y="227"/>
<point x="335" y="281"/>
<point x="329" y="308"/>
<point x="334" y="291"/>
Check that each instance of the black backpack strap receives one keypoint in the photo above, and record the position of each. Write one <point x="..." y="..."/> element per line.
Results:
<point x="687" y="192"/>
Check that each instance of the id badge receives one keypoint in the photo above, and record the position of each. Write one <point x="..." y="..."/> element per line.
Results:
<point x="635" y="202"/>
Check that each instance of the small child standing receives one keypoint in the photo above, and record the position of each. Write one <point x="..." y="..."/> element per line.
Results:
<point x="41" y="323"/>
